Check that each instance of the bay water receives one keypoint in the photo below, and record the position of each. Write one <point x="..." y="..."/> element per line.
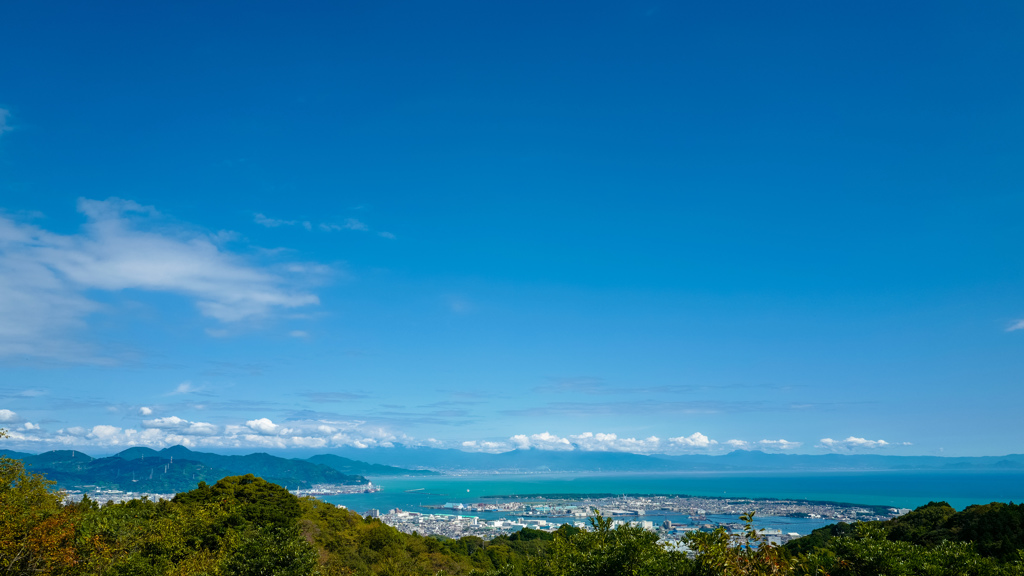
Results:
<point x="895" y="489"/>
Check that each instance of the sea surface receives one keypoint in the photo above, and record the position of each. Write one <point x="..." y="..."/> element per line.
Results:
<point x="895" y="489"/>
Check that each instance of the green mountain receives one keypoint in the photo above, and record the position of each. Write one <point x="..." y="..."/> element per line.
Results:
<point x="994" y="530"/>
<point x="349" y="466"/>
<point x="158" y="475"/>
<point x="13" y="454"/>
<point x="176" y="469"/>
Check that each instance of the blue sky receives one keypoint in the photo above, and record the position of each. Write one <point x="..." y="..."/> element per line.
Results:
<point x="661" y="227"/>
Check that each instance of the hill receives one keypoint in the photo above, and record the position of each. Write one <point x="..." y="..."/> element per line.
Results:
<point x="176" y="469"/>
<point x="994" y="530"/>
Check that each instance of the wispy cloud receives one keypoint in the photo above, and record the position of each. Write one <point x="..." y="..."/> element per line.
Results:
<point x="4" y="126"/>
<point x="348" y="224"/>
<point x="271" y="222"/>
<point x="460" y="305"/>
<point x="1018" y="325"/>
<point x="576" y="385"/>
<point x="353" y="224"/>
<point x="765" y="445"/>
<point x="183" y="388"/>
<point x="598" y="386"/>
<point x="331" y="397"/>
<point x="592" y="409"/>
<point x="45" y="277"/>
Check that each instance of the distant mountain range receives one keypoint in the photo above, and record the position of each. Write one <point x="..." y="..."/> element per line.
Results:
<point x="178" y="469"/>
<point x="533" y="460"/>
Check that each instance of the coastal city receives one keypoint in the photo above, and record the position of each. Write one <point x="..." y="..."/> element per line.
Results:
<point x="670" y="516"/>
<point x="103" y="495"/>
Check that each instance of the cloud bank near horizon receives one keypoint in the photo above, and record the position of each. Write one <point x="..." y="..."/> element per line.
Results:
<point x="264" y="433"/>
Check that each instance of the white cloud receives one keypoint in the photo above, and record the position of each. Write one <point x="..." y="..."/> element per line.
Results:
<point x="1018" y="325"/>
<point x="604" y="442"/>
<point x="320" y="433"/>
<point x="308" y="442"/>
<point x="145" y="411"/>
<point x="258" y="433"/>
<point x="267" y="427"/>
<point x="780" y="444"/>
<point x="45" y="277"/>
<point x="182" y="426"/>
<point x="543" y="441"/>
<point x="299" y="334"/>
<point x="31" y="426"/>
<point x="387" y="235"/>
<point x="476" y="446"/>
<point x="7" y="415"/>
<point x="168" y="422"/>
<point x="4" y="127"/>
<point x="610" y="442"/>
<point x="695" y="440"/>
<point x="109" y="434"/>
<point x="853" y="444"/>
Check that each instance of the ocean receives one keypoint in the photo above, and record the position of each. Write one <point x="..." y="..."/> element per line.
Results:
<point x="895" y="489"/>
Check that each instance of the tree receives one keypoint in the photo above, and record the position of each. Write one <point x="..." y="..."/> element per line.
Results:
<point x="605" y="551"/>
<point x="37" y="534"/>
<point x="716" y="553"/>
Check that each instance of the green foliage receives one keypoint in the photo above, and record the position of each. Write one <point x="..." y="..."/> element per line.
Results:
<point x="270" y="552"/>
<point x="870" y="551"/>
<point x="254" y="499"/>
<point x="717" y="553"/>
<point x="604" y="551"/>
<point x="36" y="531"/>
<point x="995" y="530"/>
<point x="919" y="526"/>
<point x="818" y="538"/>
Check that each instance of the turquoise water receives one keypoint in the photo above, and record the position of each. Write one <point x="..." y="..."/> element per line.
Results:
<point x="896" y="489"/>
